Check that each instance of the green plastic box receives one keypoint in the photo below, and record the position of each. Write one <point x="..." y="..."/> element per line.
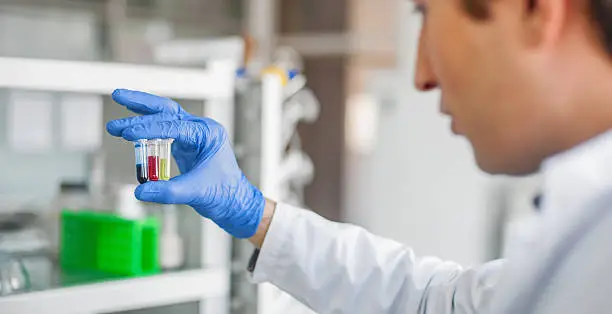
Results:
<point x="96" y="241"/>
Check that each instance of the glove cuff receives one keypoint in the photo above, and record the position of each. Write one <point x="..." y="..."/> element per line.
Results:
<point x="245" y="213"/>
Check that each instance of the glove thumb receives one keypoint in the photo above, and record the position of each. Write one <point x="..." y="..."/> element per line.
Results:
<point x="161" y="192"/>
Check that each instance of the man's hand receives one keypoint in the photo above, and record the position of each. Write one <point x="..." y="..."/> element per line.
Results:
<point x="211" y="181"/>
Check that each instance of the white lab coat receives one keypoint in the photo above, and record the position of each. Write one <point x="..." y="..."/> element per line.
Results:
<point x="564" y="266"/>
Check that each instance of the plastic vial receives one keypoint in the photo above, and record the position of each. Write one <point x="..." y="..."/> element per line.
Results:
<point x="140" y="149"/>
<point x="165" y="151"/>
<point x="153" y="159"/>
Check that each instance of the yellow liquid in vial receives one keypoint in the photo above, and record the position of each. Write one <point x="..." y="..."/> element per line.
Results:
<point x="164" y="169"/>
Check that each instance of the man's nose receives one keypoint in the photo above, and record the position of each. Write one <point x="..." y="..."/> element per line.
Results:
<point x="424" y="78"/>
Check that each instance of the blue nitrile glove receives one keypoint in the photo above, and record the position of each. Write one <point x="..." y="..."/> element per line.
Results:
<point x="211" y="181"/>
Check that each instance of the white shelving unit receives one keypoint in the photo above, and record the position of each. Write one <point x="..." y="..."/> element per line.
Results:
<point x="216" y="82"/>
<point x="123" y="295"/>
<point x="214" y="86"/>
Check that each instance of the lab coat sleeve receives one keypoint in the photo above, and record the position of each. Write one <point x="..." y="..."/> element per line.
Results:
<point x="341" y="268"/>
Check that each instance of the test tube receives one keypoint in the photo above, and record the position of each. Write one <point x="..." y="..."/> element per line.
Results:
<point x="153" y="159"/>
<point x="165" y="151"/>
<point x="140" y="149"/>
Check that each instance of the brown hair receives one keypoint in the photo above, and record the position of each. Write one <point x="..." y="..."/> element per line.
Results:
<point x="600" y="11"/>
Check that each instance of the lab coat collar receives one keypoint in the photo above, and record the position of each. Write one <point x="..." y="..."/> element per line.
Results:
<point x="576" y="176"/>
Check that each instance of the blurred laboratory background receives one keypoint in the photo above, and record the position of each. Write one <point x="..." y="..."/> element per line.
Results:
<point x="318" y="98"/>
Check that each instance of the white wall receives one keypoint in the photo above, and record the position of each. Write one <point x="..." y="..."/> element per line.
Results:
<point x="419" y="185"/>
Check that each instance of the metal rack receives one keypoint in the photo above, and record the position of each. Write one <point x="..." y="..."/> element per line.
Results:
<point x="214" y="86"/>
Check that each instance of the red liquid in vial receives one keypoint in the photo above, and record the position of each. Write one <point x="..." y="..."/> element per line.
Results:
<point x="153" y="168"/>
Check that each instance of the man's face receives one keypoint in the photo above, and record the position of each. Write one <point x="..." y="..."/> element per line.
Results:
<point x="495" y="85"/>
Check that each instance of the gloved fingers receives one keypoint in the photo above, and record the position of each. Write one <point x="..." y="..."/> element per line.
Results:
<point x="183" y="132"/>
<point x="145" y="103"/>
<point x="116" y="127"/>
<point x="161" y="192"/>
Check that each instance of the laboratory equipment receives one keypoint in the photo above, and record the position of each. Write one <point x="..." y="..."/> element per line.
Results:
<point x="96" y="241"/>
<point x="11" y="222"/>
<point x="72" y="196"/>
<point x="304" y="106"/>
<point x="153" y="159"/>
<point x="172" y="254"/>
<point x="13" y="274"/>
<point x="21" y="234"/>
<point x="140" y="150"/>
<point x="165" y="153"/>
<point x="126" y="204"/>
<point x="289" y="59"/>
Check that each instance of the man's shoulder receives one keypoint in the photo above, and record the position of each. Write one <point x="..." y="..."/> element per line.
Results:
<point x="581" y="279"/>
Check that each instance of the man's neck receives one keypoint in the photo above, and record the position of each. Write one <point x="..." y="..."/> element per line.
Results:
<point x="590" y="112"/>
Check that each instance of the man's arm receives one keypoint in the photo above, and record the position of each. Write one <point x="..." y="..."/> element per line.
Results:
<point x="331" y="267"/>
<point x="340" y="268"/>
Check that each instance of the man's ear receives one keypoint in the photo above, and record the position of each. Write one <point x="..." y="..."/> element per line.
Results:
<point x="544" y="21"/>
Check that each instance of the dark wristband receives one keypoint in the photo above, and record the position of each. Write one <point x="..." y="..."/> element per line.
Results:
<point x="253" y="261"/>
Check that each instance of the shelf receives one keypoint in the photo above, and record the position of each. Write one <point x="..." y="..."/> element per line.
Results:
<point x="92" y="294"/>
<point x="199" y="51"/>
<point x="214" y="82"/>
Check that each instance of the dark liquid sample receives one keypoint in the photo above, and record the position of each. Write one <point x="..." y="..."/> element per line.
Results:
<point x="153" y="168"/>
<point x="141" y="173"/>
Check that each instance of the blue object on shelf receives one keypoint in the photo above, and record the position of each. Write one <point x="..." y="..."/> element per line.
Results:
<point x="241" y="72"/>
<point x="293" y="73"/>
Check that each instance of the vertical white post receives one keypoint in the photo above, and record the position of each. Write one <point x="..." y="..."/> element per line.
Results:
<point x="216" y="245"/>
<point x="271" y="157"/>
<point x="271" y="134"/>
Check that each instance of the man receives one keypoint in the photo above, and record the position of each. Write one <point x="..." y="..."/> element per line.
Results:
<point x="529" y="83"/>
